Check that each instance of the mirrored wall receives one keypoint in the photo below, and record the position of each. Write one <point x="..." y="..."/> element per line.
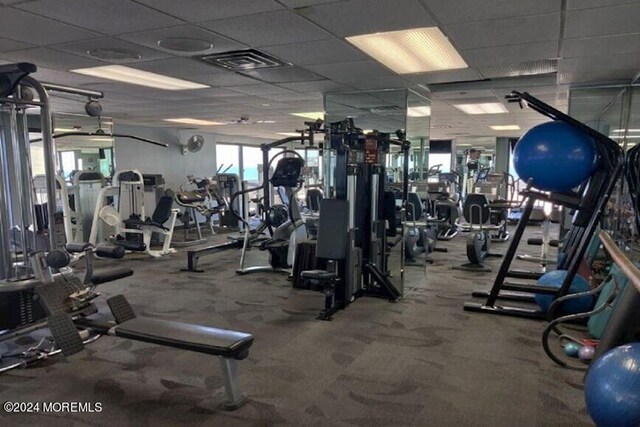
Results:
<point x="388" y="111"/>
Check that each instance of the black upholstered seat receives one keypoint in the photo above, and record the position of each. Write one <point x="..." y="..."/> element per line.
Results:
<point x="110" y="274"/>
<point x="318" y="275"/>
<point x="198" y="338"/>
<point x="190" y="197"/>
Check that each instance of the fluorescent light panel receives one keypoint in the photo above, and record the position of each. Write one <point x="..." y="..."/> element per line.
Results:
<point x="505" y="127"/>
<point x="289" y="133"/>
<point x="482" y="108"/>
<point x="423" y="111"/>
<point x="313" y="116"/>
<point x="628" y="130"/>
<point x="138" y="77"/>
<point x="622" y="136"/>
<point x="417" y="50"/>
<point x="198" y="122"/>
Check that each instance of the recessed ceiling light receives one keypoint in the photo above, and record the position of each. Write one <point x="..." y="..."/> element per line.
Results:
<point x="114" y="54"/>
<point x="265" y="122"/>
<point x="289" y="133"/>
<point x="628" y="130"/>
<point x="463" y="145"/>
<point x="73" y="129"/>
<point x="134" y="76"/>
<point x="482" y="108"/>
<point x="505" y="127"/>
<point x="185" y="44"/>
<point x="418" y="50"/>
<point x="198" y="122"/>
<point x="101" y="139"/>
<point x="419" y="111"/>
<point x="312" y="116"/>
<point x="367" y="130"/>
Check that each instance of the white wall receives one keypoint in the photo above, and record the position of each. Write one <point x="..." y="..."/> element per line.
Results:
<point x="151" y="159"/>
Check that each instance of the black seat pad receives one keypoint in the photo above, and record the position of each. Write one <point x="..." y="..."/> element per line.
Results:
<point x="198" y="338"/>
<point x="110" y="274"/>
<point x="318" y="275"/>
<point x="190" y="197"/>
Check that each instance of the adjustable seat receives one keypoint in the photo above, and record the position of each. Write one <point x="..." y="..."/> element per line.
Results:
<point x="333" y="238"/>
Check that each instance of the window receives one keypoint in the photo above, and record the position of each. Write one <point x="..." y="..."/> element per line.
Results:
<point x="228" y="158"/>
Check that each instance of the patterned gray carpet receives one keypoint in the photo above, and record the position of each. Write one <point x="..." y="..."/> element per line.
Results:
<point x="421" y="361"/>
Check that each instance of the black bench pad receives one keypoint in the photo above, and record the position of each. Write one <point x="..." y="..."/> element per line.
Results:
<point x="198" y="338"/>
<point x="318" y="275"/>
<point x="110" y="274"/>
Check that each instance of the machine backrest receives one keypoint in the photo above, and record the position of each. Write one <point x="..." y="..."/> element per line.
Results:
<point x="333" y="226"/>
<point x="162" y="211"/>
<point x="314" y="196"/>
<point x="470" y="210"/>
<point x="414" y="201"/>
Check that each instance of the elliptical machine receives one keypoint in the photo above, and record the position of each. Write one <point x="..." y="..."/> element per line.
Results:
<point x="282" y="239"/>
<point x="477" y="212"/>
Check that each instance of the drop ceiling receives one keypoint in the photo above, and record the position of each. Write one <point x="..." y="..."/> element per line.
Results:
<point x="541" y="46"/>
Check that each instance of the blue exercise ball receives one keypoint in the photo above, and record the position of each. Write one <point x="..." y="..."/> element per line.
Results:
<point x="554" y="279"/>
<point x="612" y="387"/>
<point x="556" y="155"/>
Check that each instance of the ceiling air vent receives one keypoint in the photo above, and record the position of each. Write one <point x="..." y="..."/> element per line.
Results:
<point x="244" y="60"/>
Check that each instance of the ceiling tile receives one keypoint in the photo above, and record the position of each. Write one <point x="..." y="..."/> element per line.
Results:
<point x="600" y="46"/>
<point x="350" y="71"/>
<point x="150" y="38"/>
<point x="105" y="16"/>
<point x="283" y="74"/>
<point x="83" y="47"/>
<point x="602" y="21"/>
<point x="7" y="45"/>
<point x="49" y="58"/>
<point x="512" y="31"/>
<point x="468" y="74"/>
<point x="314" y="86"/>
<point x="589" y="4"/>
<point x="64" y="78"/>
<point x="369" y="16"/>
<point x="453" y="12"/>
<point x="266" y="29"/>
<point x="295" y="96"/>
<point x="316" y="52"/>
<point x="500" y="55"/>
<point x="217" y="92"/>
<point x="224" y="79"/>
<point x="259" y="89"/>
<point x="178" y="67"/>
<point x="384" y="82"/>
<point x="30" y="28"/>
<point x="305" y="3"/>
<point x="205" y="10"/>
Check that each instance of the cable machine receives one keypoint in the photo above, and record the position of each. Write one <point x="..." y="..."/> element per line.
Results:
<point x="357" y="217"/>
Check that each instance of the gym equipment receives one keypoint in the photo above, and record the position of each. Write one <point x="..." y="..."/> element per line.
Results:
<point x="281" y="245"/>
<point x="588" y="203"/>
<point x="554" y="279"/>
<point x="68" y="305"/>
<point x="124" y="198"/>
<point x="444" y="204"/>
<point x="612" y="387"/>
<point x="553" y="166"/>
<point x="615" y="319"/>
<point x="586" y="353"/>
<point x="571" y="349"/>
<point x="478" y="214"/>
<point x="199" y="201"/>
<point x="352" y="234"/>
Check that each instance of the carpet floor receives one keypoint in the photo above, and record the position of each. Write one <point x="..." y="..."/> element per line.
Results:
<point x="421" y="361"/>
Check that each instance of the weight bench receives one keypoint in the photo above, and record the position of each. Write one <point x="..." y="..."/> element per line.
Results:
<point x="68" y="311"/>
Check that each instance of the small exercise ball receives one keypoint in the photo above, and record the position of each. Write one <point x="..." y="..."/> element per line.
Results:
<point x="554" y="279"/>
<point x="556" y="155"/>
<point x="571" y="349"/>
<point x="586" y="352"/>
<point x="612" y="387"/>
